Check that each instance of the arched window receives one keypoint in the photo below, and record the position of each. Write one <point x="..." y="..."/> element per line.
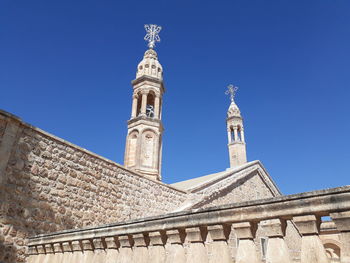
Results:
<point x="150" y="105"/>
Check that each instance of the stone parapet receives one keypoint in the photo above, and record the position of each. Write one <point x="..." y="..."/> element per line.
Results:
<point x="191" y="236"/>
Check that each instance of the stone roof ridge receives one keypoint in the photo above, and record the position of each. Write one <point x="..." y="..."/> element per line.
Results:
<point x="198" y="183"/>
<point x="78" y="148"/>
<point x="210" y="190"/>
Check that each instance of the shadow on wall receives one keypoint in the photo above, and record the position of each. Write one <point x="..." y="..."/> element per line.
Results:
<point x="30" y="203"/>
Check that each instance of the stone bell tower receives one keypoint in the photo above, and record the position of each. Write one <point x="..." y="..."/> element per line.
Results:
<point x="235" y="131"/>
<point x="143" y="151"/>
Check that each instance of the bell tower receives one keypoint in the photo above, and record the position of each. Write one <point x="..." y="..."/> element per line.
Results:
<point x="143" y="149"/>
<point x="235" y="131"/>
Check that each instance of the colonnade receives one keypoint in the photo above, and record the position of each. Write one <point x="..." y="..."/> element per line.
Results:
<point x="237" y="136"/>
<point x="144" y="94"/>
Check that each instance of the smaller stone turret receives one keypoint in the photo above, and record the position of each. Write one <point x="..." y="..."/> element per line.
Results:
<point x="235" y="132"/>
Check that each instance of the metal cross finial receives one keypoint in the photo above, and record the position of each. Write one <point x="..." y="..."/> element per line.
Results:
<point x="152" y="35"/>
<point x="232" y="91"/>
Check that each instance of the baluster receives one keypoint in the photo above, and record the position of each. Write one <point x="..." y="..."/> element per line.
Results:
<point x="77" y="249"/>
<point x="58" y="250"/>
<point x="67" y="251"/>
<point x="312" y="249"/>
<point x="220" y="251"/>
<point x="277" y="250"/>
<point x="88" y="251"/>
<point x="175" y="249"/>
<point x="246" y="252"/>
<point x="125" y="251"/>
<point x="157" y="249"/>
<point x="197" y="252"/>
<point x="99" y="245"/>
<point x="342" y="222"/>
<point x="141" y="242"/>
<point x="112" y="244"/>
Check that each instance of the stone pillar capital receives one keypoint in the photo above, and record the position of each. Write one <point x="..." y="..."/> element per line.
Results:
<point x="77" y="245"/>
<point x="176" y="236"/>
<point x="274" y="227"/>
<point x="196" y="234"/>
<point x="245" y="230"/>
<point x="126" y="241"/>
<point x="141" y="240"/>
<point x="99" y="243"/>
<point x="112" y="242"/>
<point x="341" y="220"/>
<point x="144" y="92"/>
<point x="157" y="238"/>
<point x="308" y="224"/>
<point x="219" y="232"/>
<point x="57" y="248"/>
<point x="41" y="249"/>
<point x="67" y="247"/>
<point x="48" y="248"/>
<point x="87" y="244"/>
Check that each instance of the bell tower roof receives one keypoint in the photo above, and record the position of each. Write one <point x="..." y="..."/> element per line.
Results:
<point x="150" y="66"/>
<point x="233" y="110"/>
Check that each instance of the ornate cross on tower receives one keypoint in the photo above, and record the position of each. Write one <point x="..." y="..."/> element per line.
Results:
<point x="232" y="91"/>
<point x="152" y="35"/>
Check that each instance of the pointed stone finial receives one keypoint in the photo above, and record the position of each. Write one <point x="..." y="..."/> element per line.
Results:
<point x="152" y="35"/>
<point x="231" y="89"/>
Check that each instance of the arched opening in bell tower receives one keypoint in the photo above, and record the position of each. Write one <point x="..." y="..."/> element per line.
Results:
<point x="150" y="104"/>
<point x="232" y="134"/>
<point x="239" y="133"/>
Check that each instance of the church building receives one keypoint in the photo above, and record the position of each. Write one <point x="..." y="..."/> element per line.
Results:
<point x="64" y="204"/>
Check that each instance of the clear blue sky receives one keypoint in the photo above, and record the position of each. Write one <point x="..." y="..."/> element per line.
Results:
<point x="66" y="67"/>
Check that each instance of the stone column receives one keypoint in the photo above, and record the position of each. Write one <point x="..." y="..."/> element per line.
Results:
<point x="277" y="250"/>
<point x="312" y="249"/>
<point x="67" y="251"/>
<point x="49" y="254"/>
<point x="246" y="251"/>
<point x="144" y="103"/>
<point x="242" y="135"/>
<point x="88" y="251"/>
<point x="175" y="249"/>
<point x="78" y="255"/>
<point x="229" y="136"/>
<point x="58" y="250"/>
<point x="112" y="254"/>
<point x="157" y="249"/>
<point x="125" y="251"/>
<point x="197" y="252"/>
<point x="140" y="254"/>
<point x="220" y="251"/>
<point x="342" y="222"/>
<point x="235" y="134"/>
<point x="36" y="254"/>
<point x="99" y="246"/>
<point x="156" y="107"/>
<point x="134" y="106"/>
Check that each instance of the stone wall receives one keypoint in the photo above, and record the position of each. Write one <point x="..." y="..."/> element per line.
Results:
<point x="48" y="184"/>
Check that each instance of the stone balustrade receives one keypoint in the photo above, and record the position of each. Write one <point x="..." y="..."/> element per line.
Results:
<point x="202" y="236"/>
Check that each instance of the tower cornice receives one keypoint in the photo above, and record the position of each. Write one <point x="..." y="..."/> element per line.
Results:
<point x="141" y="79"/>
